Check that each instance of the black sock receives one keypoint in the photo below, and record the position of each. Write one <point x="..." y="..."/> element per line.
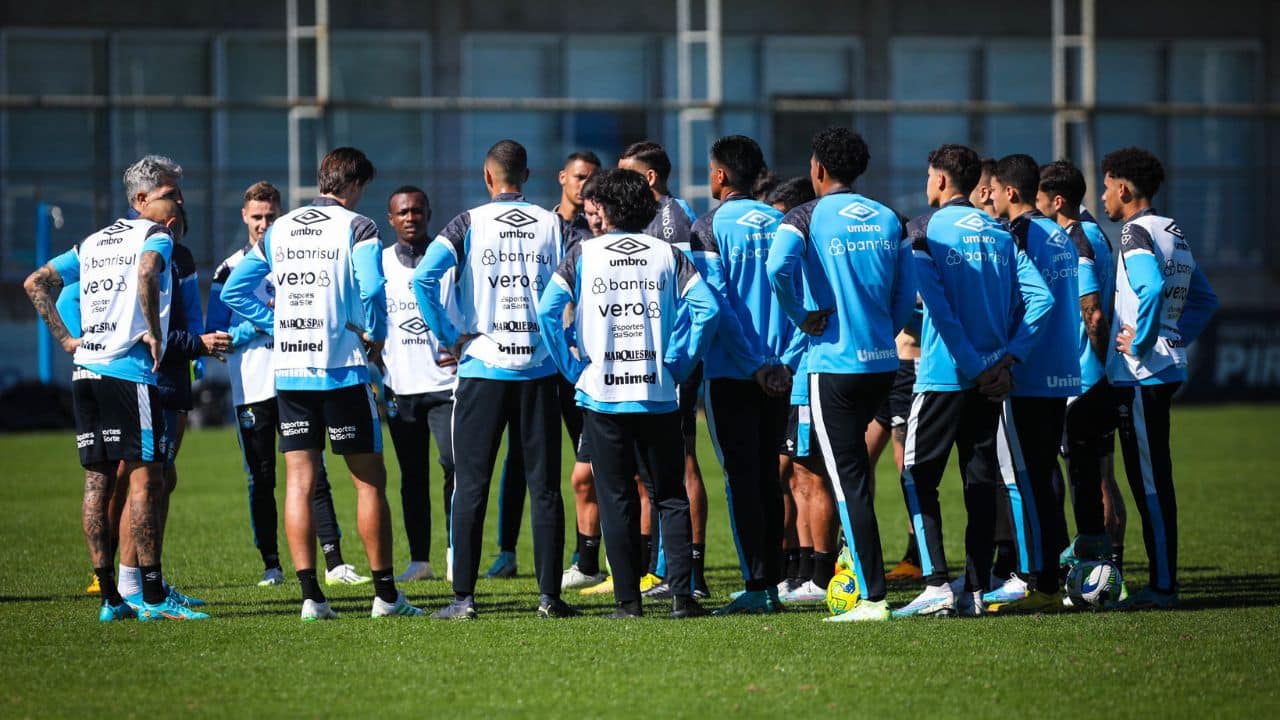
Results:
<point x="107" y="582"/>
<point x="152" y="584"/>
<point x="806" y="563"/>
<point x="384" y="585"/>
<point x="824" y="566"/>
<point x="699" y="564"/>
<point x="310" y="588"/>
<point x="589" y="554"/>
<point x="271" y="561"/>
<point x="913" y="550"/>
<point x="646" y="541"/>
<point x="332" y="554"/>
<point x="791" y="560"/>
<point x="1005" y="563"/>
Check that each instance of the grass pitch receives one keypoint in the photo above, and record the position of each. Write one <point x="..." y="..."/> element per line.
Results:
<point x="1218" y="656"/>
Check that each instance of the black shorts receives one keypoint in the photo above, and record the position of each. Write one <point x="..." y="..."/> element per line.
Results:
<point x="799" y="441"/>
<point x="896" y="408"/>
<point x="349" y="415"/>
<point x="116" y="419"/>
<point x="688" y="396"/>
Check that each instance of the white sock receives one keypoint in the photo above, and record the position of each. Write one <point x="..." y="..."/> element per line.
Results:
<point x="129" y="580"/>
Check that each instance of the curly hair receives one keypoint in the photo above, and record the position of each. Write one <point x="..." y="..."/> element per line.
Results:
<point x="1020" y="172"/>
<point x="960" y="163"/>
<point x="1137" y="165"/>
<point x="842" y="152"/>
<point x="624" y="197"/>
<point x="791" y="193"/>
<point x="1063" y="179"/>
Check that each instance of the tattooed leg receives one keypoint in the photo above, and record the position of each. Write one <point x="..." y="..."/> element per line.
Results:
<point x="146" y="481"/>
<point x="98" y="482"/>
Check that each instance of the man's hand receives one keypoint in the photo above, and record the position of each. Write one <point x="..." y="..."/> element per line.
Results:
<point x="1124" y="339"/>
<point x="996" y="381"/>
<point x="456" y="349"/>
<point x="70" y="344"/>
<point x="156" y="347"/>
<point x="774" y="380"/>
<point x="373" y="350"/>
<point x="216" y="343"/>
<point x="445" y="359"/>
<point x="815" y="323"/>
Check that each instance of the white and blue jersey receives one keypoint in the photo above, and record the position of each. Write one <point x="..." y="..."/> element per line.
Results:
<point x="626" y="290"/>
<point x="326" y="266"/>
<point x="110" y="321"/>
<point x="249" y="363"/>
<point x="730" y="248"/>
<point x="1163" y="295"/>
<point x="1052" y="367"/>
<point x="970" y="281"/>
<point x="854" y="257"/>
<point x="1097" y="275"/>
<point x="503" y="254"/>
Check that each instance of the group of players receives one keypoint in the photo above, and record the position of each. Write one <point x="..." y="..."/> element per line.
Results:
<point x="814" y="322"/>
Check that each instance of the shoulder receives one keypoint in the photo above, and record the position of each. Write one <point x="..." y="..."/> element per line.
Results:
<point x="1136" y="236"/>
<point x="184" y="263"/>
<point x="1084" y="248"/>
<point x="362" y="228"/>
<point x="799" y="216"/>
<point x="223" y="271"/>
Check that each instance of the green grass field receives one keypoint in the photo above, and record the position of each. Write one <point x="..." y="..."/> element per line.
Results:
<point x="1218" y="656"/>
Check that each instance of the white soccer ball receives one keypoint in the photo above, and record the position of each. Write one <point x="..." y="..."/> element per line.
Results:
<point x="1094" y="584"/>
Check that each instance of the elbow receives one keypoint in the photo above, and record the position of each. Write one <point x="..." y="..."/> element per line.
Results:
<point x="32" y="284"/>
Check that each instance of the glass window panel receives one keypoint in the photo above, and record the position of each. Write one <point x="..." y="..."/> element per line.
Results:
<point x="256" y="66"/>
<point x="161" y="64"/>
<point x="45" y="65"/>
<point x="608" y="67"/>
<point x="1018" y="71"/>
<point x="511" y="66"/>
<point x="1128" y="71"/>
<point x="257" y="141"/>
<point x="817" y="66"/>
<point x="931" y="69"/>
<point x="366" y="65"/>
<point x="1030" y="133"/>
<point x="1205" y="73"/>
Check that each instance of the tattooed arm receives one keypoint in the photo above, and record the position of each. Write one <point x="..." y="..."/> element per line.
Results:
<point x="42" y="287"/>
<point x="149" y="274"/>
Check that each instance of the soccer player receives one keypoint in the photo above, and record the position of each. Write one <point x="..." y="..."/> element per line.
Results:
<point x="1163" y="302"/>
<point x="419" y="379"/>
<point x="626" y="287"/>
<point x="503" y="253"/>
<point x="746" y="383"/>
<point x="856" y="264"/>
<point x="125" y="286"/>
<point x="980" y="316"/>
<point x="1091" y="417"/>
<point x="330" y="299"/>
<point x="1032" y="418"/>
<point x="253" y="393"/>
<point x="673" y="223"/>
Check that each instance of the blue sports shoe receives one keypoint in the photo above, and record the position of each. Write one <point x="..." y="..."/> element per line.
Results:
<point x="181" y="599"/>
<point x="168" y="610"/>
<point x="111" y="613"/>
<point x="751" y="602"/>
<point x="934" y="600"/>
<point x="503" y="567"/>
<point x="1013" y="590"/>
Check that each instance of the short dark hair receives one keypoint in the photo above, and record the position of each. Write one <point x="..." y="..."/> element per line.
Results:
<point x="512" y="160"/>
<point x="652" y="155"/>
<point x="585" y="156"/>
<point x="791" y="193"/>
<point x="343" y="167"/>
<point x="262" y="191"/>
<point x="1020" y="172"/>
<point x="1138" y="166"/>
<point x="765" y="184"/>
<point x="988" y="168"/>
<point x="741" y="158"/>
<point x="1063" y="179"/>
<point x="960" y="163"/>
<point x="842" y="152"/>
<point x="624" y="197"/>
<point x="411" y="190"/>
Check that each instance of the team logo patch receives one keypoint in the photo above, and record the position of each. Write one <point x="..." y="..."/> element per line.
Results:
<point x="973" y="221"/>
<point x="954" y="257"/>
<point x="626" y="246"/>
<point x="246" y="418"/>
<point x="837" y="247"/>
<point x="310" y="217"/>
<point x="516" y="218"/>
<point x="414" y="326"/>
<point x="1173" y="229"/>
<point x="118" y="227"/>
<point x="756" y="219"/>
<point x="857" y="210"/>
<point x="1058" y="240"/>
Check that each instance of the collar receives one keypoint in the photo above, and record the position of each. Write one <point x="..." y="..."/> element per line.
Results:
<point x="324" y="201"/>
<point x="736" y="195"/>
<point x="509" y="197"/>
<point x="1141" y="213"/>
<point x="842" y="190"/>
<point x="1025" y="218"/>
<point x="410" y="254"/>
<point x="958" y="201"/>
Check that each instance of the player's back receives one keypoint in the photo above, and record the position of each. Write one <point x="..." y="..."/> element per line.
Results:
<point x="1051" y="369"/>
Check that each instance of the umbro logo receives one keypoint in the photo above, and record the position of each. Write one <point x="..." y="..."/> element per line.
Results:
<point x="857" y="210"/>
<point x="516" y="218"/>
<point x="1058" y="240"/>
<point x="974" y="222"/>
<point x="626" y="246"/>
<point x="414" y="326"/>
<point x="1173" y="229"/>
<point x="310" y="217"/>
<point x="756" y="219"/>
<point x="118" y="227"/>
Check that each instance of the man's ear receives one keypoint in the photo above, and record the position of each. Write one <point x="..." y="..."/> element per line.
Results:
<point x="524" y="177"/>
<point x="651" y="177"/>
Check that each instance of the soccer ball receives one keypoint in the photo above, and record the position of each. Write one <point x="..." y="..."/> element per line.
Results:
<point x="1094" y="584"/>
<point x="842" y="592"/>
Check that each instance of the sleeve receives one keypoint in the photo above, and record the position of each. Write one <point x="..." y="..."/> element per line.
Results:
<point x="783" y="265"/>
<point x="186" y="320"/>
<point x="457" y="234"/>
<point x="704" y="313"/>
<point x="1138" y="255"/>
<point x="1202" y="302"/>
<point x="238" y="291"/>
<point x="1087" y="274"/>
<point x="442" y="254"/>
<point x="941" y="314"/>
<point x="1036" y="300"/>
<point x="366" y="264"/>
<point x="795" y="350"/>
<point x="68" y="306"/>
<point x="218" y="316"/>
<point x="706" y="258"/>
<point x="904" y="283"/>
<point x="562" y="290"/>
<point x="159" y="241"/>
<point x="67" y="265"/>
